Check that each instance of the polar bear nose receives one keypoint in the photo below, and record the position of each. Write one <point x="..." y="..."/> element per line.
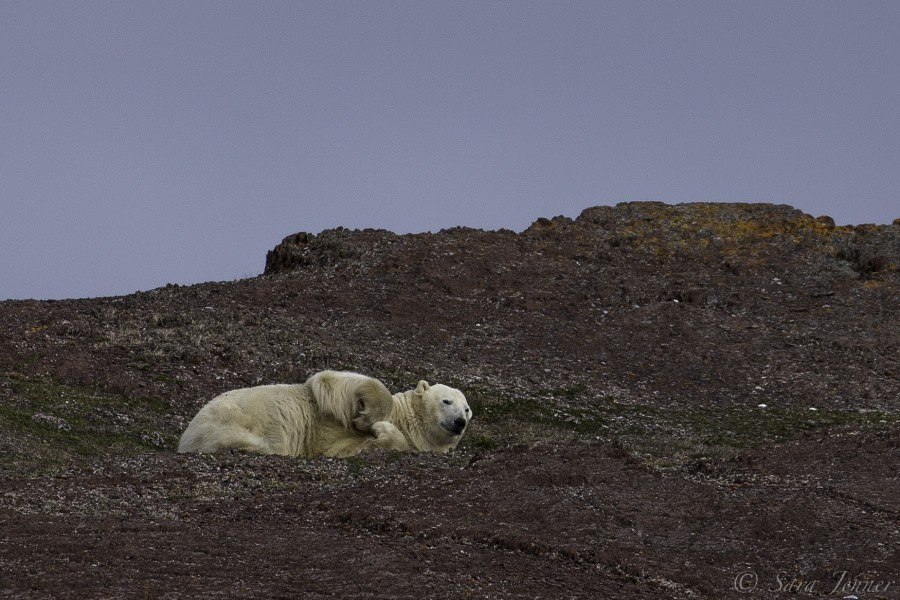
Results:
<point x="459" y="424"/>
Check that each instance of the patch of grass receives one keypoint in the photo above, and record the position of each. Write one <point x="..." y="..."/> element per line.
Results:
<point x="662" y="437"/>
<point x="695" y="433"/>
<point x="502" y="419"/>
<point x="47" y="425"/>
<point x="570" y="392"/>
<point x="482" y="442"/>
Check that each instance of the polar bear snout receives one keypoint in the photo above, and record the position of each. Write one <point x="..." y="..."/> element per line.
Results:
<point x="456" y="426"/>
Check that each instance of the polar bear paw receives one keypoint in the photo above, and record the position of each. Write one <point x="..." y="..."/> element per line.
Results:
<point x="388" y="437"/>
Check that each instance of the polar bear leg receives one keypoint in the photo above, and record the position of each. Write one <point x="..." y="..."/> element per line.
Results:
<point x="388" y="437"/>
<point x="208" y="438"/>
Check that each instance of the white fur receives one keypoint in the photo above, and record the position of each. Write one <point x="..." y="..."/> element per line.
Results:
<point x="430" y="418"/>
<point x="329" y="414"/>
<point x="336" y="413"/>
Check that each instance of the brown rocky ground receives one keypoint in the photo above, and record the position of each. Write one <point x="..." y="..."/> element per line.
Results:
<point x="617" y="365"/>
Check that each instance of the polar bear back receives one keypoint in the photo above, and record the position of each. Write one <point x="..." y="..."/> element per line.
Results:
<point x="269" y="419"/>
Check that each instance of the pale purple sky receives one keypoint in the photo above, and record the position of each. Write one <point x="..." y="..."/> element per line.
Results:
<point x="143" y="143"/>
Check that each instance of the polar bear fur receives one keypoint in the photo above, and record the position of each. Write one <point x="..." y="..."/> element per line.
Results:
<point x="336" y="413"/>
<point x="331" y="413"/>
<point x="430" y="418"/>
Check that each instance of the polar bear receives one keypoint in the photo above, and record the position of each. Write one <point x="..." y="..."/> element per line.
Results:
<point x="331" y="413"/>
<point x="430" y="418"/>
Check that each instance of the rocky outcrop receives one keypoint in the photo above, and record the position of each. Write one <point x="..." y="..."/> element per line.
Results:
<point x="731" y="236"/>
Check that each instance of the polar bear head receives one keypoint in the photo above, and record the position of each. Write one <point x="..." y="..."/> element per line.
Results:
<point x="447" y="411"/>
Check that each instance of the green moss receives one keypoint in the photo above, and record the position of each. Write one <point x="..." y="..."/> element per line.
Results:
<point x="49" y="424"/>
<point x="681" y="435"/>
<point x="664" y="437"/>
<point x="482" y="442"/>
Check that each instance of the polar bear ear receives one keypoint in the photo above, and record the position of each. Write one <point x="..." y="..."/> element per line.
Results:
<point x="422" y="387"/>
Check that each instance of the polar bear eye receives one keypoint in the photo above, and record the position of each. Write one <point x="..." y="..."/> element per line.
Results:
<point x="467" y="410"/>
<point x="447" y="401"/>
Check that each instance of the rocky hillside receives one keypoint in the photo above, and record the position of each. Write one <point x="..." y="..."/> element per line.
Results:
<point x="696" y="302"/>
<point x="726" y="358"/>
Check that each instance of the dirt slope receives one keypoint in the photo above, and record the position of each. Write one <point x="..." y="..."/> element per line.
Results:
<point x="693" y="401"/>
